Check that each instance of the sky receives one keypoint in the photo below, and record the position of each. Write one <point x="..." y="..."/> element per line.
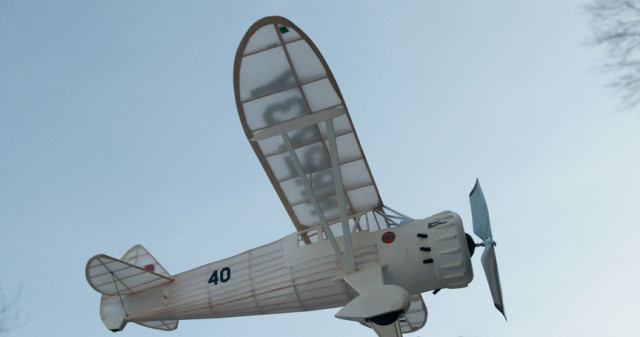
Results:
<point x="118" y="126"/>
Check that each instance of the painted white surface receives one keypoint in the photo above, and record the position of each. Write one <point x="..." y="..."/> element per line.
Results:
<point x="118" y="126"/>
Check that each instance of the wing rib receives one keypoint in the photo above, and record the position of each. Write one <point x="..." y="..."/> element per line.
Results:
<point x="298" y="123"/>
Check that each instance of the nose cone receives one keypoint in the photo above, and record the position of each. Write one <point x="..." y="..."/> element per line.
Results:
<point x="471" y="245"/>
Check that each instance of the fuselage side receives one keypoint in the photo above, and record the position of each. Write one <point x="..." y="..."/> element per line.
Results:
<point x="291" y="275"/>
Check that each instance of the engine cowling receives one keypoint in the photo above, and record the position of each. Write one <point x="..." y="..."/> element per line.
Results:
<point x="428" y="254"/>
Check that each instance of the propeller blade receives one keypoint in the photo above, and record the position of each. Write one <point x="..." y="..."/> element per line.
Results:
<point x="479" y="213"/>
<point x="482" y="228"/>
<point x="490" y="266"/>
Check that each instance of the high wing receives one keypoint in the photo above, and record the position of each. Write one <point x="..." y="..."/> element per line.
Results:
<point x="283" y="86"/>
<point x="296" y="120"/>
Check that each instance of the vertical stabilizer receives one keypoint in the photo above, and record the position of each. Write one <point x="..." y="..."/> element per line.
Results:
<point x="139" y="256"/>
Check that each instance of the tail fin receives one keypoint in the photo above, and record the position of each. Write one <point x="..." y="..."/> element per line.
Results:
<point x="137" y="271"/>
<point x="139" y="256"/>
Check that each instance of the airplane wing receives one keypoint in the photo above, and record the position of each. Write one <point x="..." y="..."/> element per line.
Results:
<point x="296" y="120"/>
<point x="286" y="97"/>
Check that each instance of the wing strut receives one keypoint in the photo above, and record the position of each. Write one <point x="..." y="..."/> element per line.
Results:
<point x="348" y="265"/>
<point x="346" y="259"/>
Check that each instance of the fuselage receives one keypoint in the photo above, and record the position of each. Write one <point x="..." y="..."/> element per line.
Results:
<point x="297" y="273"/>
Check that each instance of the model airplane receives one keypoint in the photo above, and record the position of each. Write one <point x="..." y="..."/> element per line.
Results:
<point x="349" y="250"/>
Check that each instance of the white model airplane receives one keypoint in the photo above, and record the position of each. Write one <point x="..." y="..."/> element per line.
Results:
<point x="349" y="250"/>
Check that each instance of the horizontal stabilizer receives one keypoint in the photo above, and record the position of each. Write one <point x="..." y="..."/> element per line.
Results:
<point x="110" y="276"/>
<point x="166" y="325"/>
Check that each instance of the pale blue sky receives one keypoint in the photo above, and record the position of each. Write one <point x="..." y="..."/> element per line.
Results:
<point x="118" y="126"/>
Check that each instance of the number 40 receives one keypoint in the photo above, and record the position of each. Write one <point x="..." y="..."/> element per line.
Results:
<point x="225" y="275"/>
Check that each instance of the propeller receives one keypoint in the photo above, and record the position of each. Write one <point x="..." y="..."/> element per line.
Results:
<point x="482" y="228"/>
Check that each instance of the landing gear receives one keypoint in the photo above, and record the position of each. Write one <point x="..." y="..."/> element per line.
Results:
<point x="386" y="319"/>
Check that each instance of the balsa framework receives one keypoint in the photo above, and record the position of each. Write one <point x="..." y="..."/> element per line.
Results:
<point x="285" y="90"/>
<point x="349" y="249"/>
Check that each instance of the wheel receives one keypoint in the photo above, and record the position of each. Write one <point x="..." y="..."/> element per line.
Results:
<point x="386" y="319"/>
